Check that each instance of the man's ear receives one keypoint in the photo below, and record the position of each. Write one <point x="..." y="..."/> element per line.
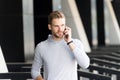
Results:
<point x="49" y="26"/>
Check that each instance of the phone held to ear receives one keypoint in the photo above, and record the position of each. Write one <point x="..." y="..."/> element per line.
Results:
<point x="66" y="35"/>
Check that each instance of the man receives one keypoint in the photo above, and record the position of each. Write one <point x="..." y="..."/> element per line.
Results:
<point x="60" y="53"/>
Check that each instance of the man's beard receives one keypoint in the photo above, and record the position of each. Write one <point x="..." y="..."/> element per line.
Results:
<point x="58" y="35"/>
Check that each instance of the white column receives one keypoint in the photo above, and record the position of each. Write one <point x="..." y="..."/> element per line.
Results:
<point x="28" y="29"/>
<point x="3" y="66"/>
<point x="111" y="25"/>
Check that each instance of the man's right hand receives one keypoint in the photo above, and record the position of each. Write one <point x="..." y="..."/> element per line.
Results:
<point x="39" y="78"/>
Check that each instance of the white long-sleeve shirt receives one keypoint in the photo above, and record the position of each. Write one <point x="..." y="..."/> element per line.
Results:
<point x="60" y="63"/>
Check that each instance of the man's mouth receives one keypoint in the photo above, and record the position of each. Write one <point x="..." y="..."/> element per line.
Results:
<point x="60" y="32"/>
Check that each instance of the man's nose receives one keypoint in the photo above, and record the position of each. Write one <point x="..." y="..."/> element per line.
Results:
<point x="60" y="28"/>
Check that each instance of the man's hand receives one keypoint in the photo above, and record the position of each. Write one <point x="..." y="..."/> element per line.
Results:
<point x="39" y="78"/>
<point x="67" y="34"/>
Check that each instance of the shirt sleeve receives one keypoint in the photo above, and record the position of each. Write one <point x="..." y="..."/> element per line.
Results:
<point x="80" y="54"/>
<point x="37" y="63"/>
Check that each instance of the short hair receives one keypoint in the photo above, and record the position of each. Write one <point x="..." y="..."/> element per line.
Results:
<point x="54" y="15"/>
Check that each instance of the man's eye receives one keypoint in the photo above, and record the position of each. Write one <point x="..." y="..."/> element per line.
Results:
<point x="56" y="26"/>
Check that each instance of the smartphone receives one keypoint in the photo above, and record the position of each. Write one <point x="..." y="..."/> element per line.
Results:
<point x="66" y="36"/>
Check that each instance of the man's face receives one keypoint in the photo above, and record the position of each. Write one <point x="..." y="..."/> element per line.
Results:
<point x="57" y="27"/>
